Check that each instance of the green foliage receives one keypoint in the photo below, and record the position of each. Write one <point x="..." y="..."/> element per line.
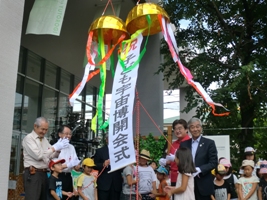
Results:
<point x="155" y="147"/>
<point x="225" y="43"/>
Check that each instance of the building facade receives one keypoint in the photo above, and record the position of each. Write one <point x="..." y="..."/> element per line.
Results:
<point x="38" y="72"/>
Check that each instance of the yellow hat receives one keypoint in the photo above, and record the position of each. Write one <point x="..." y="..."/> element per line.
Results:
<point x="88" y="162"/>
<point x="220" y="170"/>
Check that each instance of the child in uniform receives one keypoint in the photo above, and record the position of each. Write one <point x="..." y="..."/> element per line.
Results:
<point x="86" y="183"/>
<point x="54" y="184"/>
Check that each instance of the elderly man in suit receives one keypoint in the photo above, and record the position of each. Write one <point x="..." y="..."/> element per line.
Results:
<point x="109" y="185"/>
<point x="205" y="157"/>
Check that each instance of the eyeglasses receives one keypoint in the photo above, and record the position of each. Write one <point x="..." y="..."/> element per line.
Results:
<point x="197" y="126"/>
<point x="70" y="134"/>
<point x="179" y="128"/>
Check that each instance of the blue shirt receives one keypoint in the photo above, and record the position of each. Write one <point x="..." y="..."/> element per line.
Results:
<point x="194" y="147"/>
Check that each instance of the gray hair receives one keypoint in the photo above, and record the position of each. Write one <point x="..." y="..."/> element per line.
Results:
<point x="39" y="120"/>
<point x="192" y="120"/>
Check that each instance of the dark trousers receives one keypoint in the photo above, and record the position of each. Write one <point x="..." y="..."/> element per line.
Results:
<point x="147" y="197"/>
<point x="75" y="198"/>
<point x="198" y="196"/>
<point x="128" y="196"/>
<point x="111" y="194"/>
<point x="67" y="184"/>
<point x="35" y="186"/>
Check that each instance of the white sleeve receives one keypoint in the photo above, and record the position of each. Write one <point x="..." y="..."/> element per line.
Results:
<point x="235" y="179"/>
<point x="154" y="178"/>
<point x="188" y="174"/>
<point x="255" y="179"/>
<point x="240" y="180"/>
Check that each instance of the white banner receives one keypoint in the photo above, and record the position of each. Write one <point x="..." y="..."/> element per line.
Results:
<point x="121" y="145"/>
<point x="222" y="143"/>
<point x="46" y="17"/>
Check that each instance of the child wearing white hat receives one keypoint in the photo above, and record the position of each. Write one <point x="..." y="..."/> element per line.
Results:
<point x="249" y="154"/>
<point x="247" y="184"/>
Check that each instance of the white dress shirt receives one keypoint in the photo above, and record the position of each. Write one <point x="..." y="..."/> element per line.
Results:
<point x="68" y="154"/>
<point x="37" y="153"/>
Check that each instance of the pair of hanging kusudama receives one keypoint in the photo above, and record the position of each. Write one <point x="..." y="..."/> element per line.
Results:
<point x="106" y="32"/>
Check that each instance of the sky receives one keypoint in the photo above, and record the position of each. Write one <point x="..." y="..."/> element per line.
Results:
<point x="171" y="99"/>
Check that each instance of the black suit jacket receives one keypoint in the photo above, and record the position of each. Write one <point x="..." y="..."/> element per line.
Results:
<point x="206" y="159"/>
<point x="105" y="180"/>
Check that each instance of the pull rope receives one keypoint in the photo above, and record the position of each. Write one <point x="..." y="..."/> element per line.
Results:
<point x="137" y="138"/>
<point x="109" y="1"/>
<point x="137" y="110"/>
<point x="155" y="124"/>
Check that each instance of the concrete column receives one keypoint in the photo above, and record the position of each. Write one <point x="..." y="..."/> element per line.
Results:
<point x="11" y="15"/>
<point x="150" y="88"/>
<point x="183" y="104"/>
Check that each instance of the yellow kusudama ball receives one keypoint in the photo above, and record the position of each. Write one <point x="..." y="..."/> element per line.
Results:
<point x="136" y="18"/>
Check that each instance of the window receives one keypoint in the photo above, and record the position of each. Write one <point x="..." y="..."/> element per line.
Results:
<point x="18" y="104"/>
<point x="49" y="108"/>
<point x="31" y="105"/>
<point x="65" y="82"/>
<point x="51" y="75"/>
<point x="34" y="64"/>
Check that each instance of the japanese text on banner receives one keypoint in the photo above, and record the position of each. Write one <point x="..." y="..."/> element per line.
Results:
<point x="121" y="146"/>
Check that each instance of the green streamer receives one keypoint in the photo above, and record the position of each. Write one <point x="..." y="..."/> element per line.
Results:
<point x="105" y="125"/>
<point x="101" y="50"/>
<point x="135" y="35"/>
